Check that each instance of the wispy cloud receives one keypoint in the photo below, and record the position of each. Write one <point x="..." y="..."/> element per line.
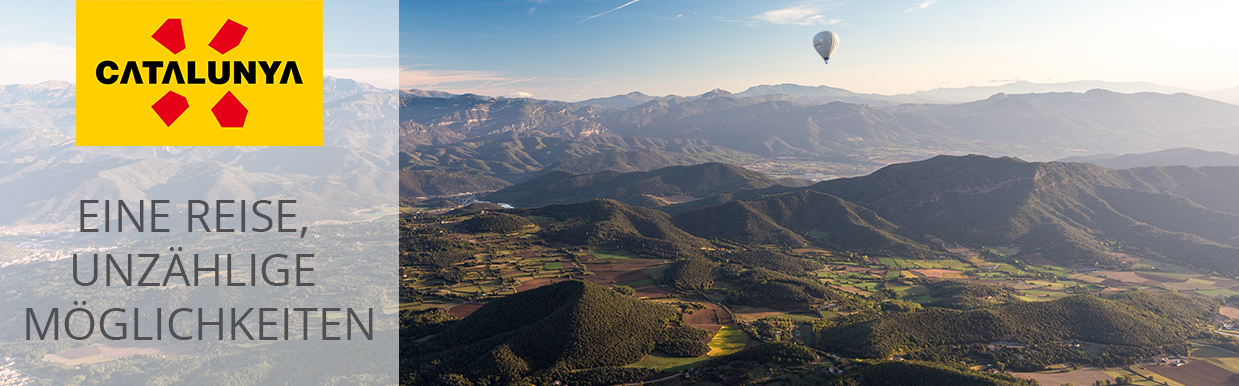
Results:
<point x="612" y="10"/>
<point x="453" y="79"/>
<point x="923" y="5"/>
<point x="803" y="14"/>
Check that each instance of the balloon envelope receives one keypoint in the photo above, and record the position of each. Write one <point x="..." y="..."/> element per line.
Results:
<point x="825" y="43"/>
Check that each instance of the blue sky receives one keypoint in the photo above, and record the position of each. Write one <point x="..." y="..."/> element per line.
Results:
<point x="554" y="49"/>
<point x="37" y="40"/>
<point x="560" y="49"/>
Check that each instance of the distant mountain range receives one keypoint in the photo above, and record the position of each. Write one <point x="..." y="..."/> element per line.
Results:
<point x="353" y="169"/>
<point x="1230" y="95"/>
<point x="1185" y="156"/>
<point x="1040" y="126"/>
<point x="974" y="93"/>
<point x="649" y="189"/>
<point x="943" y="95"/>
<point x="1071" y="213"/>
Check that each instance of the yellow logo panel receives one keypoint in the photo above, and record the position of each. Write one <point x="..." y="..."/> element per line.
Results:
<point x="199" y="73"/>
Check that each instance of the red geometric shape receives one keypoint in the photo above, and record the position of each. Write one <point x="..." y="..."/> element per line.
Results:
<point x="229" y="111"/>
<point x="170" y="107"/>
<point x="171" y="35"/>
<point x="228" y="37"/>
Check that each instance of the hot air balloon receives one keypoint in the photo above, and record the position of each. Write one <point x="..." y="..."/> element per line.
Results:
<point x="825" y="43"/>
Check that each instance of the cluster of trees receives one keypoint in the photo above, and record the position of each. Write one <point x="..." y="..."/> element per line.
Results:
<point x="765" y="258"/>
<point x="683" y="348"/>
<point x="765" y="288"/>
<point x="598" y="376"/>
<point x="614" y="225"/>
<point x="965" y="295"/>
<point x="426" y="245"/>
<point x="775" y="328"/>
<point x="417" y="324"/>
<point x="567" y="326"/>
<point x="684" y="332"/>
<point x="916" y="373"/>
<point x="690" y="274"/>
<point x="1137" y="323"/>
<point x="494" y="222"/>
<point x="784" y="352"/>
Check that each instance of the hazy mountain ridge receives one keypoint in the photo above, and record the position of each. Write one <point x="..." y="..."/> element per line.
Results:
<point x="1071" y="213"/>
<point x="36" y="138"/>
<point x="1185" y="156"/>
<point x="777" y="125"/>
<point x="559" y="187"/>
<point x="783" y="219"/>
<point x="1061" y="210"/>
<point x="1097" y="119"/>
<point x="974" y="93"/>
<point x="522" y="156"/>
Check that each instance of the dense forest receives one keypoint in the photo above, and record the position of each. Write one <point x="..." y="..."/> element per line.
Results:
<point x="1134" y="319"/>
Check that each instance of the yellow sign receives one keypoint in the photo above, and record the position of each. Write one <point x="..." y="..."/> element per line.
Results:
<point x="199" y="73"/>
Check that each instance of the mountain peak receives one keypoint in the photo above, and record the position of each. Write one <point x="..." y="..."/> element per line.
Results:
<point x="716" y="93"/>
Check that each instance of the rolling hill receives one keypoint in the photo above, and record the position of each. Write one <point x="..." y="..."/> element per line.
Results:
<point x="611" y="224"/>
<point x="693" y="181"/>
<point x="1184" y="156"/>
<point x="1066" y="211"/>
<point x="565" y="326"/>
<point x="1136" y="319"/>
<point x="799" y="218"/>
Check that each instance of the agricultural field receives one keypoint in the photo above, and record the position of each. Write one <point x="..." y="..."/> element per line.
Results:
<point x="1083" y="376"/>
<point x="105" y="352"/>
<point x="522" y="261"/>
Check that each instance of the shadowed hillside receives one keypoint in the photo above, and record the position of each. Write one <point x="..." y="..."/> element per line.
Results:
<point x="608" y="223"/>
<point x="802" y="217"/>
<point x="1066" y="211"/>
<point x="565" y="326"/>
<point x="694" y="181"/>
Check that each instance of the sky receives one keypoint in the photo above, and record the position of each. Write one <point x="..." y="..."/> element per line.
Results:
<point x="38" y="41"/>
<point x="578" y="49"/>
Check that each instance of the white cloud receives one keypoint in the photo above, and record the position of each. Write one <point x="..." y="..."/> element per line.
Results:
<point x="804" y="14"/>
<point x="36" y="62"/>
<point x="612" y="10"/>
<point x="923" y="5"/>
<point x="455" y="80"/>
<point x="520" y="94"/>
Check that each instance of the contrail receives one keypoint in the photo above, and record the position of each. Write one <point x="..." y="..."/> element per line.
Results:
<point x="612" y="10"/>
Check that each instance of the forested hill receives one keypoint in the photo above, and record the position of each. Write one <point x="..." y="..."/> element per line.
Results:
<point x="1133" y="319"/>
<point x="611" y="224"/>
<point x="637" y="188"/>
<point x="1066" y="211"/>
<point x="783" y="218"/>
<point x="1075" y="214"/>
<point x="565" y="326"/>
